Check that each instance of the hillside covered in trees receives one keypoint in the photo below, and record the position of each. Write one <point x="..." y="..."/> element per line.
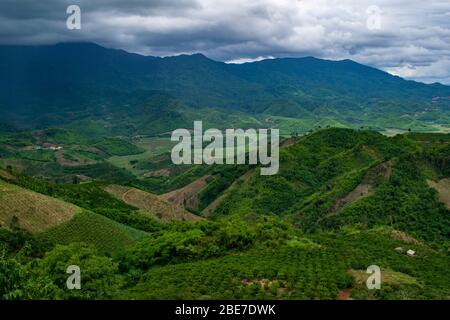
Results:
<point x="342" y="201"/>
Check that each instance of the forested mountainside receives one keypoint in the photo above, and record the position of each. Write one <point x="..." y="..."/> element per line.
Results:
<point x="75" y="83"/>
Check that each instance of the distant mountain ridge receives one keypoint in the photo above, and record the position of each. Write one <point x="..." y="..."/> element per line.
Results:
<point x="62" y="82"/>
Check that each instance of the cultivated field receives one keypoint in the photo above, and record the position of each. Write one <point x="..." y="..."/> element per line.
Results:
<point x="151" y="204"/>
<point x="188" y="195"/>
<point x="34" y="212"/>
<point x="105" y="234"/>
<point x="153" y="147"/>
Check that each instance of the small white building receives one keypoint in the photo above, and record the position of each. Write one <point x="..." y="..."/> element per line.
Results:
<point x="411" y="253"/>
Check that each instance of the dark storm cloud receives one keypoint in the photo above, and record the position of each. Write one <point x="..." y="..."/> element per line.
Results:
<point x="412" y="39"/>
<point x="51" y="9"/>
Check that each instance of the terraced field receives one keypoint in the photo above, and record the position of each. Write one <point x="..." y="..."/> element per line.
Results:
<point x="34" y="212"/>
<point x="151" y="204"/>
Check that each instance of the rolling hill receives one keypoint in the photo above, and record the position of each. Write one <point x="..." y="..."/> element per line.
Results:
<point x="337" y="177"/>
<point x="60" y="222"/>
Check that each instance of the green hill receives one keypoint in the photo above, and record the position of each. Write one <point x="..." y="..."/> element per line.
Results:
<point x="337" y="177"/>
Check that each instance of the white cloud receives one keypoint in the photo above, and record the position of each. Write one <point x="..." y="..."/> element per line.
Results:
<point x="434" y="72"/>
<point x="247" y="60"/>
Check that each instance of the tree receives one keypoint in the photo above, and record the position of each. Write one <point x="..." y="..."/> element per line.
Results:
<point x="75" y="180"/>
<point x="15" y="223"/>
<point x="10" y="280"/>
<point x="99" y="274"/>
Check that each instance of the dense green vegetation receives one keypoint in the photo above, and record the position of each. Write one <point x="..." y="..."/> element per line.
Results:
<point x="117" y="147"/>
<point x="311" y="182"/>
<point x="288" y="236"/>
<point x="106" y="235"/>
<point x="406" y="202"/>
<point x="301" y="269"/>
<point x="263" y="259"/>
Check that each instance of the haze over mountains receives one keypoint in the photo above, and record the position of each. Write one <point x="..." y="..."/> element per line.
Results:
<point x="63" y="83"/>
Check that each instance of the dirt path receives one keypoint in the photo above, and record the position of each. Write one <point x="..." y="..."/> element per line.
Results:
<point x="344" y="294"/>
<point x="443" y="188"/>
<point x="365" y="188"/>
<point x="288" y="142"/>
<point x="208" y="211"/>
<point x="63" y="161"/>
<point x="124" y="196"/>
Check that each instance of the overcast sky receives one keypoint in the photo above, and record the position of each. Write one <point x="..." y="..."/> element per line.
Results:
<point x="410" y="38"/>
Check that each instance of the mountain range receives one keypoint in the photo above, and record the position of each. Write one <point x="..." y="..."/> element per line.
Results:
<point x="65" y="83"/>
